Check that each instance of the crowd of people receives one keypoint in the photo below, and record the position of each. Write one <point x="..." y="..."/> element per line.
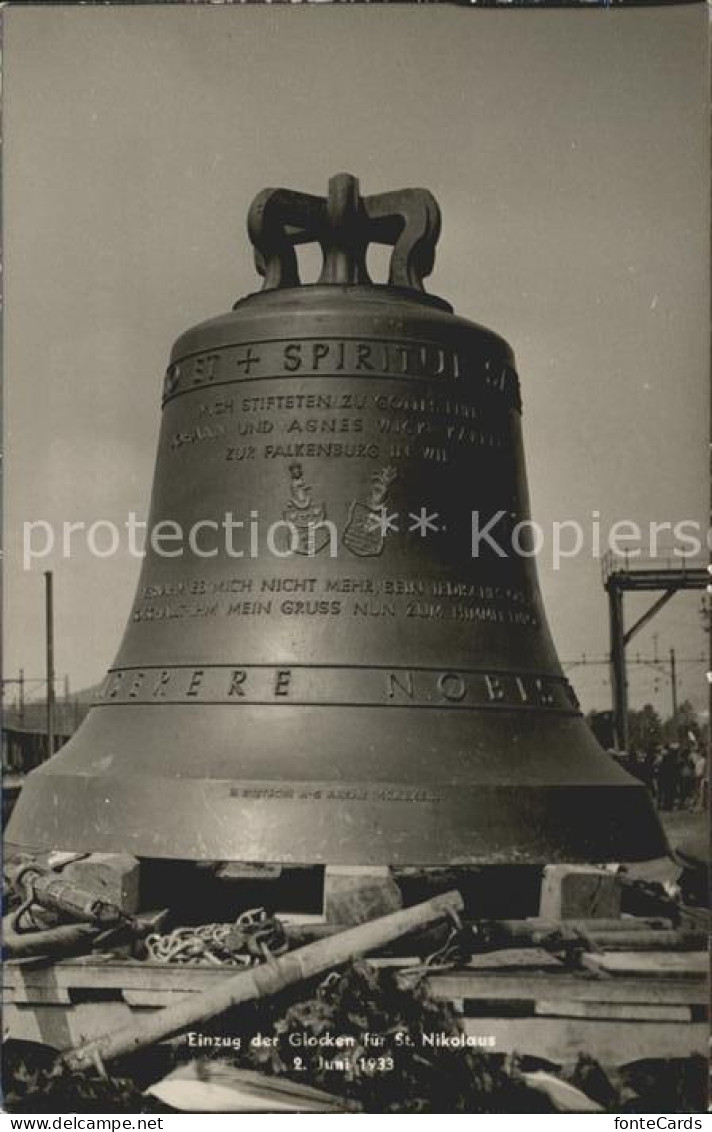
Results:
<point x="676" y="775"/>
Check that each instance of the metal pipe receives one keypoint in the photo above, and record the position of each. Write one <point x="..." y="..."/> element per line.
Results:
<point x="50" y="941"/>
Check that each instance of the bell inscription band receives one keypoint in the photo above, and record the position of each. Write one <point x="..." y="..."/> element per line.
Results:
<point x="369" y="682"/>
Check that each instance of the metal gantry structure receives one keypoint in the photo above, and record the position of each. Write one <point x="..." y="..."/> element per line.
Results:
<point x="666" y="575"/>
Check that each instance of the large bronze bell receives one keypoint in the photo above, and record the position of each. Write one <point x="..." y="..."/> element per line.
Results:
<point x="345" y="678"/>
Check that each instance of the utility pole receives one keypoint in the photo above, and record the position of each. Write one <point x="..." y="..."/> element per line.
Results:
<point x="21" y="697"/>
<point x="707" y="625"/>
<point x="49" y="618"/>
<point x="673" y="685"/>
<point x="619" y="677"/>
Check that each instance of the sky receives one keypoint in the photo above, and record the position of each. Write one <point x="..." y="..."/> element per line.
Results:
<point x="569" y="154"/>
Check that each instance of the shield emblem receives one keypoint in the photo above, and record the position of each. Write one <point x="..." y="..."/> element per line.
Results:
<point x="363" y="533"/>
<point x="311" y="537"/>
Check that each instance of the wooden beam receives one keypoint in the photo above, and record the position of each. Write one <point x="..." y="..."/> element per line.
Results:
<point x="561" y="1040"/>
<point x="566" y="987"/>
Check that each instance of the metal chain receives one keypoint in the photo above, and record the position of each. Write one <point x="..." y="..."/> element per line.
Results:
<point x="254" y="937"/>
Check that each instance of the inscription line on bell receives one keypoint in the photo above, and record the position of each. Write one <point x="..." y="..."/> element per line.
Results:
<point x="406" y="359"/>
<point x="295" y="351"/>
<point x="334" y="686"/>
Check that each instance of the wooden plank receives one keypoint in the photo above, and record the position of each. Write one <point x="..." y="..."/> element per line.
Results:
<point x="660" y="964"/>
<point x="138" y="976"/>
<point x="48" y="989"/>
<point x="524" y="928"/>
<point x="60" y="1028"/>
<point x="648" y="941"/>
<point x="519" y="958"/>
<point x="625" y="1011"/>
<point x="566" y="986"/>
<point x="135" y="975"/>
<point x="30" y="983"/>
<point x="32" y="992"/>
<point x="561" y="1040"/>
<point x="398" y="961"/>
<point x="152" y="998"/>
<point x="515" y="958"/>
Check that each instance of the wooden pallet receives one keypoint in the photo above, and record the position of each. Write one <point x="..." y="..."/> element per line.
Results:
<point x="555" y="1014"/>
<point x="619" y="1007"/>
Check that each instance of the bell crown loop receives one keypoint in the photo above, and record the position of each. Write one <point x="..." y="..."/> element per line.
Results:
<point x="344" y="223"/>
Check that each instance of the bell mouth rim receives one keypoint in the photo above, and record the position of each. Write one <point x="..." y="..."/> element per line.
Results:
<point x="487" y="824"/>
